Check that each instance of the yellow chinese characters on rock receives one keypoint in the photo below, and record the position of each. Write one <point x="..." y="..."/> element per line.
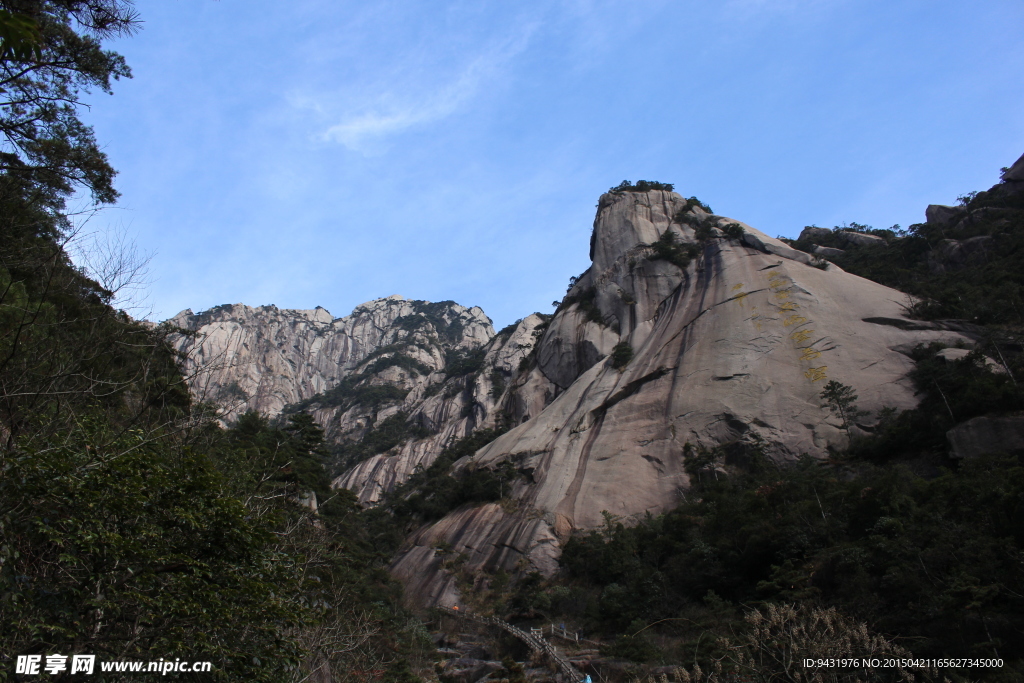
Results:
<point x="781" y="287"/>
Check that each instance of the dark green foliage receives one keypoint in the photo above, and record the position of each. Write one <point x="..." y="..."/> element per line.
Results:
<point x="380" y="438"/>
<point x="46" y="147"/>
<point x="353" y="390"/>
<point x="398" y="360"/>
<point x="432" y="493"/>
<point x="373" y="395"/>
<point x="634" y="648"/>
<point x="950" y="392"/>
<point x="397" y="347"/>
<point x="357" y="390"/>
<point x="433" y="389"/>
<point x="509" y="329"/>
<point x="459" y="362"/>
<point x="962" y="388"/>
<point x="334" y="572"/>
<point x="691" y="202"/>
<point x="130" y="548"/>
<point x="700" y="461"/>
<point x="434" y="314"/>
<point x="621" y="355"/>
<point x="703" y="232"/>
<point x="574" y="280"/>
<point x="61" y="344"/>
<point x="131" y="525"/>
<point x="20" y="40"/>
<point x="670" y="249"/>
<point x="510" y="671"/>
<point x="452" y="492"/>
<point x="990" y="291"/>
<point x="586" y="299"/>
<point x="841" y="402"/>
<point x="641" y="186"/>
<point x="933" y="560"/>
<point x="497" y="383"/>
<point x="929" y="558"/>
<point x="529" y="595"/>
<point x="733" y="231"/>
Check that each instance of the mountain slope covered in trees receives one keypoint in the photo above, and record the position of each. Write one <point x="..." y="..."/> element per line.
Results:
<point x="133" y="526"/>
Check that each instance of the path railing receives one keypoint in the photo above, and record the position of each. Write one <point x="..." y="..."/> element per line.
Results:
<point x="534" y="642"/>
<point x="572" y="637"/>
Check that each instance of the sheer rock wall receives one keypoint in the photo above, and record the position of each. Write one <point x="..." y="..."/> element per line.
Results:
<point x="735" y="348"/>
<point x="730" y="349"/>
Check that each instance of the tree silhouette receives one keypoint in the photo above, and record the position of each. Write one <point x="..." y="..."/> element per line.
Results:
<point x="842" y="402"/>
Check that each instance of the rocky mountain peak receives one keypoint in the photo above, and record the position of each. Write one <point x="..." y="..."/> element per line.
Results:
<point x="689" y="331"/>
<point x="266" y="358"/>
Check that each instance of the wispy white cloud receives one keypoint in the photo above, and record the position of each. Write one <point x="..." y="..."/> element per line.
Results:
<point x="396" y="103"/>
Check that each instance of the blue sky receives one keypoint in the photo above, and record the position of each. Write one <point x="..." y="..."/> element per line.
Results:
<point x="327" y="152"/>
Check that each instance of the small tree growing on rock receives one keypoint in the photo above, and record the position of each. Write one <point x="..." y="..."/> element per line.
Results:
<point x="841" y="401"/>
<point x="621" y="355"/>
<point x="733" y="231"/>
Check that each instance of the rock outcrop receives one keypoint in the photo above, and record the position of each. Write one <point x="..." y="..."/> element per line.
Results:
<point x="689" y="330"/>
<point x="842" y="237"/>
<point x="987" y="434"/>
<point x="950" y="255"/>
<point x="439" y="369"/>
<point x="461" y="405"/>
<point x="265" y="358"/>
<point x="732" y="348"/>
<point x="940" y="214"/>
<point x="1014" y="175"/>
<point x="827" y="252"/>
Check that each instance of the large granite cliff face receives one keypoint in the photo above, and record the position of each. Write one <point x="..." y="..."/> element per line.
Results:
<point x="438" y="368"/>
<point x="265" y="358"/>
<point x="730" y="336"/>
<point x="733" y="348"/>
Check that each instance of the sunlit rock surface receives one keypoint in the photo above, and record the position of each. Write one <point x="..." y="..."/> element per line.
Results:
<point x="733" y="349"/>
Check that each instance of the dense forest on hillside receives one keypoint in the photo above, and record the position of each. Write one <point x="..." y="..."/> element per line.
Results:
<point x="132" y="525"/>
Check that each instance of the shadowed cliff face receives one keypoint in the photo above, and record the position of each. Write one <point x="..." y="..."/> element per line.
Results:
<point x="733" y="348"/>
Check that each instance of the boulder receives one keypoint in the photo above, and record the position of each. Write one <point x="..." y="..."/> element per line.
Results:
<point x="940" y="214"/>
<point x="860" y="239"/>
<point x="762" y="242"/>
<point x="1015" y="174"/>
<point x="950" y="255"/>
<point x="987" y="434"/>
<point x="470" y="649"/>
<point x="827" y="252"/>
<point x="954" y="354"/>
<point x="812" y="232"/>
